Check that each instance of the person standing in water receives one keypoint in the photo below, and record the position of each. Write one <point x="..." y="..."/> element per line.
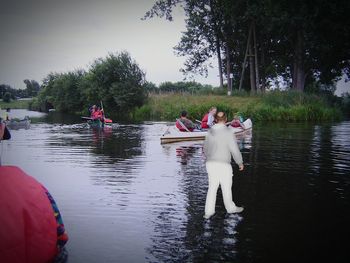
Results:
<point x="219" y="145"/>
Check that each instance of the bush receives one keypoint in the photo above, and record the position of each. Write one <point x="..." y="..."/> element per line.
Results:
<point x="7" y="97"/>
<point x="116" y="80"/>
<point x="275" y="106"/>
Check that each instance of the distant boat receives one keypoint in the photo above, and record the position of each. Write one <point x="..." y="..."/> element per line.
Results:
<point x="52" y="110"/>
<point x="98" y="124"/>
<point x="174" y="135"/>
<point x="16" y="124"/>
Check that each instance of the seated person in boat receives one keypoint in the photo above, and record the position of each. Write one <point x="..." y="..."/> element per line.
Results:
<point x="92" y="110"/>
<point x="100" y="113"/>
<point x="236" y="122"/>
<point x="2" y="129"/>
<point x="96" y="113"/>
<point x="209" y="118"/>
<point x="184" y="124"/>
<point x="8" y="114"/>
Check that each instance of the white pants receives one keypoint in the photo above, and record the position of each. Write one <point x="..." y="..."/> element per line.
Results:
<point x="219" y="174"/>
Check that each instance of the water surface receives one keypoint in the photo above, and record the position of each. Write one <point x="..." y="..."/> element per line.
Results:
<point x="125" y="197"/>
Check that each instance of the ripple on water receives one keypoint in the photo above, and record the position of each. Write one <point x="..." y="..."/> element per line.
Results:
<point x="124" y="196"/>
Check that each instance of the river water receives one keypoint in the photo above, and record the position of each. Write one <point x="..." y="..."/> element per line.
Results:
<point x="124" y="197"/>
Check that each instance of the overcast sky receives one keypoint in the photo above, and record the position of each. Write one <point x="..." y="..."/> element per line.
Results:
<point x="42" y="36"/>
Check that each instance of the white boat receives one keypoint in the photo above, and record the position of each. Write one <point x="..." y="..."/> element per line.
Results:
<point x="174" y="135"/>
<point x="15" y="124"/>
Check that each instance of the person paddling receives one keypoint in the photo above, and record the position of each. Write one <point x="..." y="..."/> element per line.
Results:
<point x="236" y="122"/>
<point x="96" y="113"/>
<point x="209" y="118"/>
<point x="184" y="124"/>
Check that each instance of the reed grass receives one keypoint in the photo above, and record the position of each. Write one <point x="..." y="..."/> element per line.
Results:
<point x="15" y="104"/>
<point x="272" y="106"/>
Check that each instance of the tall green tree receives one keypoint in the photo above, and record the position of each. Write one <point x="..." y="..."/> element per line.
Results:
<point x="300" y="41"/>
<point x="32" y="87"/>
<point x="309" y="39"/>
<point x="117" y="80"/>
<point x="63" y="91"/>
<point x="202" y="39"/>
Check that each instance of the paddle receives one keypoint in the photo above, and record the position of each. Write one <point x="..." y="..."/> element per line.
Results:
<point x="183" y="125"/>
<point x="102" y="108"/>
<point x="106" y="120"/>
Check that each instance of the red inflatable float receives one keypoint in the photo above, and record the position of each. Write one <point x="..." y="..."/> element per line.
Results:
<point x="31" y="228"/>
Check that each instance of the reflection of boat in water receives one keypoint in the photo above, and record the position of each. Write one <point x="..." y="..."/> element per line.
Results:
<point x="174" y="135"/>
<point x="16" y="124"/>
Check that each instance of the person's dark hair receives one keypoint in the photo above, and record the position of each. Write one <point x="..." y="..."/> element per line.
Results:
<point x="183" y="113"/>
<point x="220" y="116"/>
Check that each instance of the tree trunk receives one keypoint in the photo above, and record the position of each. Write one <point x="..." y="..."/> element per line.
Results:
<point x="228" y="68"/>
<point x="217" y="30"/>
<point x="218" y="48"/>
<point x="252" y="70"/>
<point x="257" y="80"/>
<point x="298" y="80"/>
<point x="245" y="58"/>
<point x="262" y="63"/>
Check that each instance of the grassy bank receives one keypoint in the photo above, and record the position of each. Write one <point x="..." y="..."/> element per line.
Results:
<point x="273" y="106"/>
<point x="15" y="104"/>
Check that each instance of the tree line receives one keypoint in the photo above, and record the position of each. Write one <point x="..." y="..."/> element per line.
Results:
<point x="185" y="87"/>
<point x="7" y="93"/>
<point x="115" y="80"/>
<point x="305" y="44"/>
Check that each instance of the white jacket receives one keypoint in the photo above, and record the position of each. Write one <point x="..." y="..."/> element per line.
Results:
<point x="220" y="143"/>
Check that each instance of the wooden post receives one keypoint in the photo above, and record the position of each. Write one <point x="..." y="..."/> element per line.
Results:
<point x="251" y="70"/>
<point x="219" y="61"/>
<point x="245" y="58"/>
<point x="217" y="40"/>
<point x="228" y="68"/>
<point x="298" y="81"/>
<point x="257" y="80"/>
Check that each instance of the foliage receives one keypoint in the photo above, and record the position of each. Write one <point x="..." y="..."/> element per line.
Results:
<point x="7" y="97"/>
<point x="273" y="106"/>
<point x="15" y="104"/>
<point x="150" y="87"/>
<point x="181" y="86"/>
<point x="116" y="80"/>
<point x="299" y="41"/>
<point x="14" y="93"/>
<point x="346" y="103"/>
<point x="190" y="87"/>
<point x="61" y="91"/>
<point x="32" y="87"/>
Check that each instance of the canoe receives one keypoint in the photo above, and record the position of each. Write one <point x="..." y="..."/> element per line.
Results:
<point x="98" y="124"/>
<point x="174" y="135"/>
<point x="15" y="124"/>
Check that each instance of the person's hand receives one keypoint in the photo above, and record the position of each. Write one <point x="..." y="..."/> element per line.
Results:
<point x="241" y="167"/>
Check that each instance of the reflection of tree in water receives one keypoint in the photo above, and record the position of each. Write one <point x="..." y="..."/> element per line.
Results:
<point x="194" y="239"/>
<point x="277" y="195"/>
<point x="112" y="154"/>
<point x="123" y="144"/>
<point x="113" y="145"/>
